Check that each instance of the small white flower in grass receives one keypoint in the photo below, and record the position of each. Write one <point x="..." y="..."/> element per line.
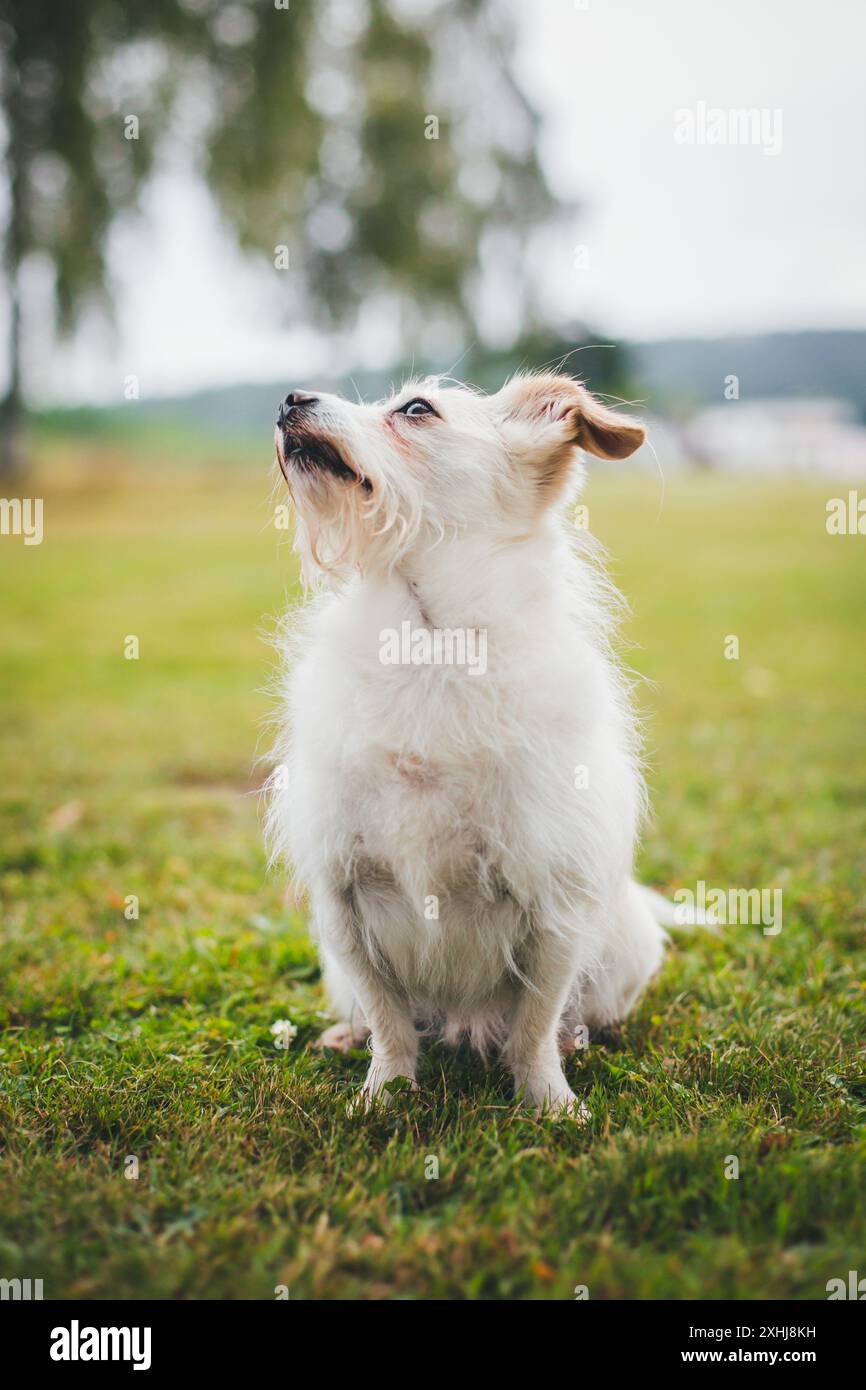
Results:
<point x="285" y="1032"/>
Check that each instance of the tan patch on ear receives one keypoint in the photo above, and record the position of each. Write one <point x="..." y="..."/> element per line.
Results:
<point x="534" y="408"/>
<point x="600" y="431"/>
<point x="551" y="415"/>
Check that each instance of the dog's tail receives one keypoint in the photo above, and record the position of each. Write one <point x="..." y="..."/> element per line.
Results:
<point x="675" y="915"/>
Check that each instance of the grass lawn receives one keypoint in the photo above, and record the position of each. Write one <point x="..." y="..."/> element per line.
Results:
<point x="150" y="1038"/>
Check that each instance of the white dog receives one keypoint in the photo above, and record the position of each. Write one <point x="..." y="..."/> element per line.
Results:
<point x="465" y="829"/>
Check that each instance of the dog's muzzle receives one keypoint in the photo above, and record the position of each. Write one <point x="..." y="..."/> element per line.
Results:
<point x="293" y="407"/>
<point x="302" y="446"/>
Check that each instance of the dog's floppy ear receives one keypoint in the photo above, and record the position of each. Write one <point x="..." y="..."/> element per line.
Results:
<point x="547" y="417"/>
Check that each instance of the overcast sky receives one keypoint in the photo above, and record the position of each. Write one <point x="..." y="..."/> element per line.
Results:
<point x="680" y="238"/>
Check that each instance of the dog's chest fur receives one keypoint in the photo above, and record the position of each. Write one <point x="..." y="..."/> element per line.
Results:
<point x="442" y="801"/>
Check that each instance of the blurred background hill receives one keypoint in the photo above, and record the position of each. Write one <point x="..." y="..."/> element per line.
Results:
<point x="803" y="406"/>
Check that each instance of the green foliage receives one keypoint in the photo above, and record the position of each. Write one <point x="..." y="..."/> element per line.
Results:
<point x="152" y="1037"/>
<point x="308" y="124"/>
<point x="70" y="74"/>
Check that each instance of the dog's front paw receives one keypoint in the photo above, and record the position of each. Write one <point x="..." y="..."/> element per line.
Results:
<point x="363" y="1101"/>
<point x="564" y="1107"/>
<point x="554" y="1098"/>
<point x="376" y="1090"/>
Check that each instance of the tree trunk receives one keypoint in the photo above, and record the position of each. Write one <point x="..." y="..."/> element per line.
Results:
<point x="12" y="407"/>
<point x="12" y="461"/>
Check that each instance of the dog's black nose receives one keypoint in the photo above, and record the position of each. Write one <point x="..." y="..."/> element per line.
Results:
<point x="295" y="400"/>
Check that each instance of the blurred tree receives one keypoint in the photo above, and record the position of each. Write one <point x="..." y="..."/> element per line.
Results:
<point x="383" y="143"/>
<point x="69" y="170"/>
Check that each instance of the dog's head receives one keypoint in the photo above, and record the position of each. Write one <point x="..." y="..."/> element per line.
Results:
<point x="374" y="483"/>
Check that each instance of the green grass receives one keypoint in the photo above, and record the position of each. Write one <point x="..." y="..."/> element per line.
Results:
<point x="151" y="1037"/>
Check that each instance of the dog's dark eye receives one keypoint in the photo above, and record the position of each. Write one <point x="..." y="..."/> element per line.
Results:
<point x="417" y="406"/>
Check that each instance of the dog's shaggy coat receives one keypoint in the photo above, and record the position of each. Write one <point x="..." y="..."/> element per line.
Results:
<point x="466" y="838"/>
